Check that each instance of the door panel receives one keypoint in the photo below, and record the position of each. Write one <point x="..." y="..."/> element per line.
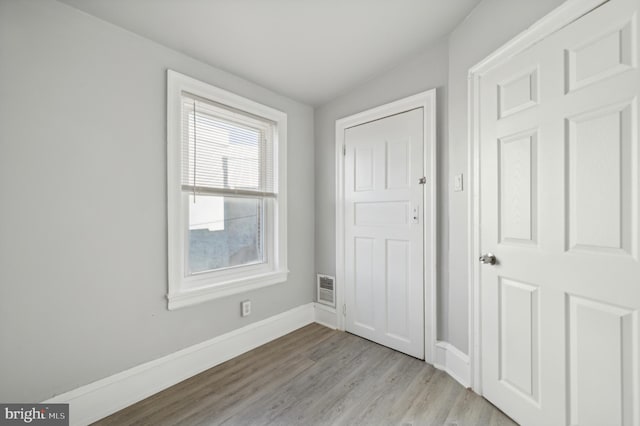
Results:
<point x="519" y="337"/>
<point x="384" y="231"/>
<point x="559" y="208"/>
<point x="397" y="260"/>
<point x="364" y="315"/>
<point x="599" y="173"/>
<point x="518" y="187"/>
<point x="381" y="214"/>
<point x="592" y="326"/>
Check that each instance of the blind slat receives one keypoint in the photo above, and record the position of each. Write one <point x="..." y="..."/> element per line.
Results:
<point x="225" y="152"/>
<point x="212" y="191"/>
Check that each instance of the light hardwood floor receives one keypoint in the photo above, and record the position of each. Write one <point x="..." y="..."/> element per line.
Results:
<point x="315" y="376"/>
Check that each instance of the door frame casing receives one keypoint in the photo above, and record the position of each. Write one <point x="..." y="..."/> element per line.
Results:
<point x="560" y="17"/>
<point x="427" y="101"/>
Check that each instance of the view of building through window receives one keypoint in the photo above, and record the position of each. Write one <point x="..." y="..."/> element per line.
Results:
<point x="224" y="231"/>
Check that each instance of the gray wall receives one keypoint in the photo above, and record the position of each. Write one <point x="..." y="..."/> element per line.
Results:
<point x="82" y="183"/>
<point x="83" y="269"/>
<point x="444" y="66"/>
<point x="424" y="71"/>
<point x="491" y="24"/>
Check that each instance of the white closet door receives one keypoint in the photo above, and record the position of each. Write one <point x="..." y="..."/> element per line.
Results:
<point x="559" y="211"/>
<point x="384" y="231"/>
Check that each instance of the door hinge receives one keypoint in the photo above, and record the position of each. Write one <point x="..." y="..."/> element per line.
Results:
<point x="422" y="181"/>
<point x="344" y="150"/>
<point x="344" y="310"/>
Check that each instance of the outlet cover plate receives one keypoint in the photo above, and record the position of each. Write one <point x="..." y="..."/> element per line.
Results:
<point x="245" y="308"/>
<point x="457" y="183"/>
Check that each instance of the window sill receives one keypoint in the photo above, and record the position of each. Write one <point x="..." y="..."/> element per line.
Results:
<point x="183" y="298"/>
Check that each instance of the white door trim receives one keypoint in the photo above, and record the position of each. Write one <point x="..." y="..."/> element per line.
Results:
<point x="427" y="101"/>
<point x="552" y="22"/>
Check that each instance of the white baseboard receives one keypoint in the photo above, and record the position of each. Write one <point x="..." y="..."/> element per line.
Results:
<point x="99" y="399"/>
<point x="106" y="396"/>
<point x="454" y="362"/>
<point x="326" y="316"/>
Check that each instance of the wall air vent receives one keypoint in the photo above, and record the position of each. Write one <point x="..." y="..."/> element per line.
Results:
<point x="326" y="290"/>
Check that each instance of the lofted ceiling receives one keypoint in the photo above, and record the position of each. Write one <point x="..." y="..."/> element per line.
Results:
<point x="309" y="50"/>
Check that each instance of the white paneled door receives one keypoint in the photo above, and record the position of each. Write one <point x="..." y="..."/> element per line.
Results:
<point x="559" y="212"/>
<point x="384" y="231"/>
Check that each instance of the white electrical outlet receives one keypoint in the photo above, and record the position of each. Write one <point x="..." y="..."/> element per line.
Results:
<point x="457" y="183"/>
<point x="245" y="308"/>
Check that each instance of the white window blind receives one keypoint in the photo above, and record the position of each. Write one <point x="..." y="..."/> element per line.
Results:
<point x="225" y="151"/>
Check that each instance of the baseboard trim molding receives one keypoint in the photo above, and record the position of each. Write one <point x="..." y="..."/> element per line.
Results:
<point x="326" y="316"/>
<point x="454" y="362"/>
<point x="99" y="399"/>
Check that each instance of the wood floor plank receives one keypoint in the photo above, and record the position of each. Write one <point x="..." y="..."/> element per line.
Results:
<point x="316" y="380"/>
<point x="378" y="400"/>
<point x="432" y="404"/>
<point x="322" y="407"/>
<point x="315" y="376"/>
<point x="468" y="409"/>
<point x="228" y="376"/>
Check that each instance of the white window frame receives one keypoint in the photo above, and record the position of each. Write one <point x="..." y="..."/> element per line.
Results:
<point x="185" y="290"/>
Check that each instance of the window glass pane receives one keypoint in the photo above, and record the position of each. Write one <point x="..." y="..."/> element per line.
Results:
<point x="224" y="232"/>
<point x="207" y="213"/>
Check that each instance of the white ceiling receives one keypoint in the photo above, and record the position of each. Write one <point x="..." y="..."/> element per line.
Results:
<point x="309" y="50"/>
